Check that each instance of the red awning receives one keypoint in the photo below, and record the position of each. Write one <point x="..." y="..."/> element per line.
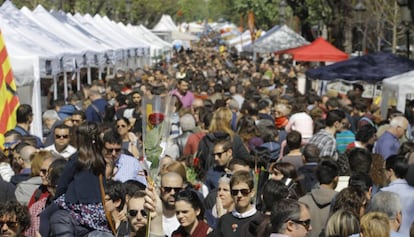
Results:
<point x="319" y="50"/>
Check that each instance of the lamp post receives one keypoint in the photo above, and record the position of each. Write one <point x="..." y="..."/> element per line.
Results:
<point x="282" y="9"/>
<point x="128" y="5"/>
<point x="360" y="9"/>
<point x="406" y="20"/>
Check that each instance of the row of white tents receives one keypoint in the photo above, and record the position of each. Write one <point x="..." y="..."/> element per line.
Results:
<point x="45" y="44"/>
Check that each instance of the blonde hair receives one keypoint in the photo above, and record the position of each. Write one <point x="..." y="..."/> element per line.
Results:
<point x="176" y="167"/>
<point x="342" y="223"/>
<point x="37" y="159"/>
<point x="221" y="121"/>
<point x="375" y="224"/>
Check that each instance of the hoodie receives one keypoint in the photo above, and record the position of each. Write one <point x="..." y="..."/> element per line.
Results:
<point x="25" y="189"/>
<point x="319" y="202"/>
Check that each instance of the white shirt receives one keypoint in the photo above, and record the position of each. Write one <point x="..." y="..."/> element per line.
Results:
<point x="169" y="225"/>
<point x="66" y="153"/>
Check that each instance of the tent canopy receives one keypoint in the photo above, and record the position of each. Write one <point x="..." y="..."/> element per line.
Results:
<point x="276" y="39"/>
<point x="370" y="68"/>
<point x="166" y="23"/>
<point x="319" y="50"/>
<point x="398" y="87"/>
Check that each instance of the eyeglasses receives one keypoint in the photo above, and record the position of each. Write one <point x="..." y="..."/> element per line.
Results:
<point x="305" y="223"/>
<point x="65" y="136"/>
<point x="8" y="145"/>
<point x="10" y="224"/>
<point x="121" y="126"/>
<point x="169" y="189"/>
<point x="219" y="153"/>
<point x="227" y="175"/>
<point x="244" y="192"/>
<point x="134" y="213"/>
<point x="43" y="171"/>
<point x="111" y="150"/>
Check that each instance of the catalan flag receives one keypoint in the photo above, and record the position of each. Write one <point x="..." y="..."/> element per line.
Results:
<point x="9" y="101"/>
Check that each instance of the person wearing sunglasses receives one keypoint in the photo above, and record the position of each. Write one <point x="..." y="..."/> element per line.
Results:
<point x="242" y="191"/>
<point x="171" y="184"/>
<point x="129" y="139"/>
<point x="40" y="201"/>
<point x="14" y="219"/>
<point x="223" y="154"/>
<point x="61" y="144"/>
<point x="138" y="216"/>
<point x="290" y="218"/>
<point x="121" y="166"/>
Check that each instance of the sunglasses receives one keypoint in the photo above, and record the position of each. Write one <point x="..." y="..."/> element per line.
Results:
<point x="169" y="189"/>
<point x="111" y="150"/>
<point x="244" y="192"/>
<point x="121" y="126"/>
<point x="305" y="223"/>
<point x="134" y="213"/>
<point x="76" y="120"/>
<point x="8" y="145"/>
<point x="43" y="171"/>
<point x="10" y="224"/>
<point x="227" y="175"/>
<point x="219" y="153"/>
<point x="57" y="136"/>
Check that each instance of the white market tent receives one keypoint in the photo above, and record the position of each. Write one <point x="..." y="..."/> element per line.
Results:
<point x="167" y="25"/>
<point x="159" y="47"/>
<point x="276" y="39"/>
<point x="399" y="87"/>
<point x="44" y="44"/>
<point x="34" y="36"/>
<point x="241" y="40"/>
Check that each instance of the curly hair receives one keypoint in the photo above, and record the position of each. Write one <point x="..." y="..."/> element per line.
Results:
<point x="14" y="209"/>
<point x="351" y="199"/>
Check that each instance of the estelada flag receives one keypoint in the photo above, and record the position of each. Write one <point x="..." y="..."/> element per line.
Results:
<point x="9" y="101"/>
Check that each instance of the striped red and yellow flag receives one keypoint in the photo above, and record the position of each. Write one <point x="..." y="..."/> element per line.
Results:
<point x="9" y="101"/>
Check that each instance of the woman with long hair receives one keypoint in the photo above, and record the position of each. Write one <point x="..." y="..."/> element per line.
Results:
<point x="79" y="191"/>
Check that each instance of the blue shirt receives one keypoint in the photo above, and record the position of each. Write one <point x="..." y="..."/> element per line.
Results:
<point x="129" y="168"/>
<point x="387" y="145"/>
<point x="406" y="193"/>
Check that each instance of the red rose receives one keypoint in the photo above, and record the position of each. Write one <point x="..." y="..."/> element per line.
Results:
<point x="196" y="161"/>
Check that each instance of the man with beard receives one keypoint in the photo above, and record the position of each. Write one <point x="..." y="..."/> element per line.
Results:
<point x="14" y="219"/>
<point x="171" y="183"/>
<point x="186" y="97"/>
<point x="133" y="112"/>
<point x="137" y="217"/>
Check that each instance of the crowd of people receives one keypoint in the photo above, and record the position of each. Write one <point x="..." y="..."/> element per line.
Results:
<point x="245" y="154"/>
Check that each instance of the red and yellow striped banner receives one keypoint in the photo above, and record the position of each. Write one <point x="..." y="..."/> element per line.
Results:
<point x="9" y="101"/>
